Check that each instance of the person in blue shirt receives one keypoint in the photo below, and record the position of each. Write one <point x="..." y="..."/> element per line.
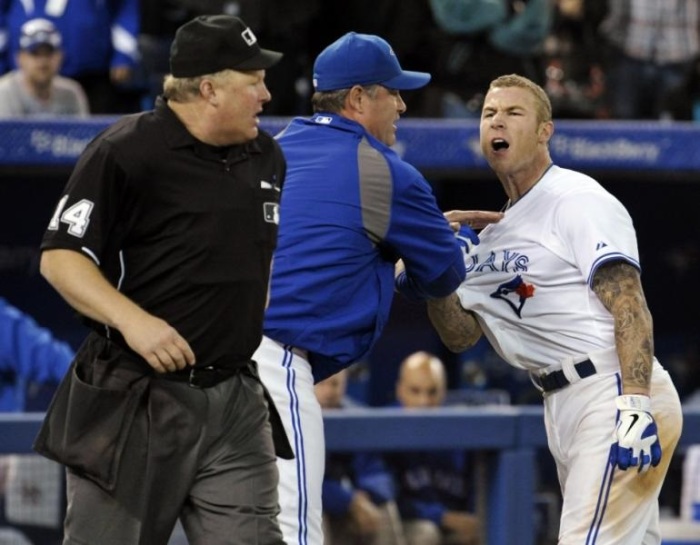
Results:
<point x="433" y="486"/>
<point x="357" y="223"/>
<point x="359" y="494"/>
<point x="29" y="353"/>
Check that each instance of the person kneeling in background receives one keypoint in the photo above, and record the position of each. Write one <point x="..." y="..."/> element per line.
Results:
<point x="358" y="491"/>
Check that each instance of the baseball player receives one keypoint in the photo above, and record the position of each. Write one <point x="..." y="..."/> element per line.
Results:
<point x="555" y="287"/>
<point x="350" y="208"/>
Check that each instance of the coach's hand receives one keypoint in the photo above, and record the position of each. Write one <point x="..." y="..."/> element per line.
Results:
<point x="476" y="219"/>
<point x="467" y="238"/>
<point x="637" y="437"/>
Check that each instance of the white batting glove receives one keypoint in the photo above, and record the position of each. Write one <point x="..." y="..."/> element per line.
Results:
<point x="637" y="437"/>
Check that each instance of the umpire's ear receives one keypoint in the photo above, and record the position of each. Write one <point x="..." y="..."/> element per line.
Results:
<point x="208" y="91"/>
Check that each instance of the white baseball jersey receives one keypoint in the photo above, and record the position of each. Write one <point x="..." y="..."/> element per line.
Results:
<point x="528" y="281"/>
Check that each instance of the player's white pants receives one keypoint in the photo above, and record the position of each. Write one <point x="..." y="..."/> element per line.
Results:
<point x="602" y="505"/>
<point x="287" y="375"/>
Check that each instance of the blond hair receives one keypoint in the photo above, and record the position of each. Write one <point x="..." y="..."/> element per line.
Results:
<point x="185" y="89"/>
<point x="543" y="104"/>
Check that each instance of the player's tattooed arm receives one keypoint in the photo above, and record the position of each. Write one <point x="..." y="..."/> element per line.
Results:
<point x="619" y="288"/>
<point x="457" y="327"/>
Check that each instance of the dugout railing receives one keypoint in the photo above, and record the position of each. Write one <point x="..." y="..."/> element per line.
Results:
<point x="508" y="438"/>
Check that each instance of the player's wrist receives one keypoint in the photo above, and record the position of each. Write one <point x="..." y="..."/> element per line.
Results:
<point x="633" y="402"/>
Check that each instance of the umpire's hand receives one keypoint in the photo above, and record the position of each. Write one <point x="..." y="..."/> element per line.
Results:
<point x="158" y="343"/>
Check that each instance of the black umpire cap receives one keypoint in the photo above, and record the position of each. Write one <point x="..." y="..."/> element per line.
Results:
<point x="211" y="43"/>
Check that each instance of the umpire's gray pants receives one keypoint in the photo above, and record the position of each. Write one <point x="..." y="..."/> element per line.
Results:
<point x="204" y="455"/>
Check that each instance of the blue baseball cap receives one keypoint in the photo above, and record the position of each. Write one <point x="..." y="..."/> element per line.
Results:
<point x="363" y="59"/>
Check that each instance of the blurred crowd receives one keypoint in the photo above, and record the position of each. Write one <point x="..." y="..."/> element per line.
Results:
<point x="597" y="59"/>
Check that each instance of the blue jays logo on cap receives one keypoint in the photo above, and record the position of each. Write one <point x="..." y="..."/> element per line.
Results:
<point x="363" y="59"/>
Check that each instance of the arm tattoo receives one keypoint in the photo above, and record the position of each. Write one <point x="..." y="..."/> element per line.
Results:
<point x="457" y="327"/>
<point x="619" y="288"/>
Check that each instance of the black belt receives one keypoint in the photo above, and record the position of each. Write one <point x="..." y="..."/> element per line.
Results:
<point x="556" y="379"/>
<point x="206" y="377"/>
<point x="197" y="377"/>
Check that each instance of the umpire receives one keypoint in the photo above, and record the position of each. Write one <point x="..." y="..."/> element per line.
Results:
<point x="162" y="240"/>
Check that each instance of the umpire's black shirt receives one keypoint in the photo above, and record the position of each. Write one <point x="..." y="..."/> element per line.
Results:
<point x="184" y="229"/>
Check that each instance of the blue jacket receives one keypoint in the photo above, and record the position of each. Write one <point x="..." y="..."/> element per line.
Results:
<point x="430" y="483"/>
<point x="97" y="34"/>
<point x="349" y="209"/>
<point x="346" y="473"/>
<point x="28" y="353"/>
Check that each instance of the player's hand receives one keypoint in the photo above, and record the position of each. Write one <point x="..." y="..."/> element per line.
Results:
<point x="158" y="343"/>
<point x="475" y="219"/>
<point x="637" y="437"/>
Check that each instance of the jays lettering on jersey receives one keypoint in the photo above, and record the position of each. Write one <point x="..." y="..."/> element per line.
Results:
<point x="350" y="206"/>
<point x="529" y="279"/>
<point x="184" y="229"/>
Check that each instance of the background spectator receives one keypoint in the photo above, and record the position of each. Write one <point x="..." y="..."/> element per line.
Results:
<point x="573" y="69"/>
<point x="683" y="102"/>
<point x="653" y="44"/>
<point x="28" y="354"/>
<point x="159" y="21"/>
<point x="284" y="24"/>
<point x="99" y="45"/>
<point x="35" y="88"/>
<point x="358" y="490"/>
<point x="433" y="494"/>
<point x="31" y="495"/>
<point x="478" y="40"/>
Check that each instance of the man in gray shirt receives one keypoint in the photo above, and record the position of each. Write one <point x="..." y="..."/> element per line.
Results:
<point x="35" y="88"/>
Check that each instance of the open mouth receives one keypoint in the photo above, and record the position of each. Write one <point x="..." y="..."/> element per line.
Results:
<point x="498" y="144"/>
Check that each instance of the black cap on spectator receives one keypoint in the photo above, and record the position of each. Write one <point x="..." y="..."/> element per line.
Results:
<point x="211" y="43"/>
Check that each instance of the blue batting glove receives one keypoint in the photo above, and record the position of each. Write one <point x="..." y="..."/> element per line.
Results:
<point x="637" y="436"/>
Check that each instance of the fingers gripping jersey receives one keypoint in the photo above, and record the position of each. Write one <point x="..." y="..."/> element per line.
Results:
<point x="528" y="280"/>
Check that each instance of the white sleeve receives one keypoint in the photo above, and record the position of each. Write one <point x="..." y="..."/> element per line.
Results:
<point x="596" y="228"/>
